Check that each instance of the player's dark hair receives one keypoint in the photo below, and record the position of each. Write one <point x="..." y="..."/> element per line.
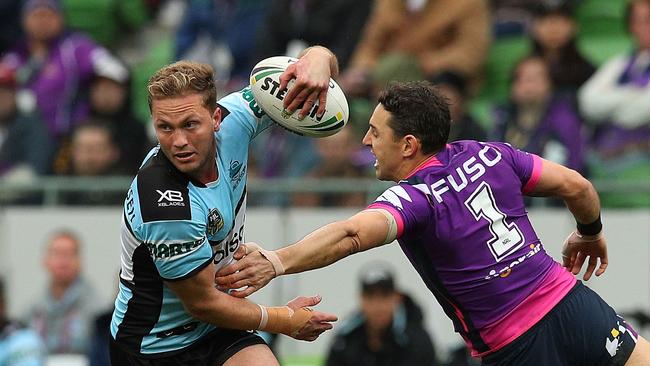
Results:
<point x="417" y="108"/>
<point x="183" y="78"/>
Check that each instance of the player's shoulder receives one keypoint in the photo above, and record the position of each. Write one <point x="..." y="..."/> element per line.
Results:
<point x="241" y="103"/>
<point x="161" y="191"/>
<point x="407" y="192"/>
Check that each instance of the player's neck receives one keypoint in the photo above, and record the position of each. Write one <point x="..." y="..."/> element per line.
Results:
<point x="412" y="165"/>
<point x="210" y="175"/>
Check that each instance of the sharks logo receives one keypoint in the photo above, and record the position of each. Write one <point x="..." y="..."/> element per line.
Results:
<point x="236" y="172"/>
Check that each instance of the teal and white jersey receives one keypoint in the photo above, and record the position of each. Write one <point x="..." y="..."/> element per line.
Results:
<point x="173" y="227"/>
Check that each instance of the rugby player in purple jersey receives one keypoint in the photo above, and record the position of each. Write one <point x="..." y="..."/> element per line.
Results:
<point x="458" y="213"/>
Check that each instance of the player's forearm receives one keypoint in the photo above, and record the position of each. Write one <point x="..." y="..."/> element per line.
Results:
<point x="235" y="313"/>
<point x="226" y="311"/>
<point x="582" y="200"/>
<point x="320" y="248"/>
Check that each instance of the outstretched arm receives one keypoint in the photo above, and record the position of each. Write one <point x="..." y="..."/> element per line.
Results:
<point x="365" y="230"/>
<point x="582" y="200"/>
<point x="210" y="305"/>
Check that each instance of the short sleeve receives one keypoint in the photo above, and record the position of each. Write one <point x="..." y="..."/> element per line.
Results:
<point x="179" y="249"/>
<point x="409" y="207"/>
<point x="242" y="116"/>
<point x="527" y="166"/>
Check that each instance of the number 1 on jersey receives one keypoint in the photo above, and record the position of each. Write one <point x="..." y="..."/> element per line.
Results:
<point x="506" y="237"/>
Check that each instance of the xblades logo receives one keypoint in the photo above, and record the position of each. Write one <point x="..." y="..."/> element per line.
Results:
<point x="170" y="198"/>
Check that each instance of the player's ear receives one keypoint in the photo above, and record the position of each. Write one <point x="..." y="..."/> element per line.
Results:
<point x="216" y="119"/>
<point x="410" y="145"/>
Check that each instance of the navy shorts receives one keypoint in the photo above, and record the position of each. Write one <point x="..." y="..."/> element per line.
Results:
<point x="215" y="349"/>
<point x="581" y="330"/>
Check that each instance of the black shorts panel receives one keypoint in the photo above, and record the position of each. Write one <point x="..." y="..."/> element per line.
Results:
<point x="581" y="330"/>
<point x="214" y="349"/>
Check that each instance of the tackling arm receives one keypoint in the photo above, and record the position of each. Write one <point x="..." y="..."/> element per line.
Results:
<point x="255" y="268"/>
<point x="324" y="246"/>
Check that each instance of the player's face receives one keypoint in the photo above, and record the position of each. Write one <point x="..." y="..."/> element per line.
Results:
<point x="185" y="130"/>
<point x="640" y="24"/>
<point x="386" y="148"/>
<point x="378" y="308"/>
<point x="43" y="24"/>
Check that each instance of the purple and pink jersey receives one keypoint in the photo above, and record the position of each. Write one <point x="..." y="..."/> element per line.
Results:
<point x="463" y="225"/>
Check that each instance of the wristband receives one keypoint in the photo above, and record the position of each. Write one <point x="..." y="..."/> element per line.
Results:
<point x="272" y="257"/>
<point x="590" y="229"/>
<point x="283" y="319"/>
<point x="265" y="317"/>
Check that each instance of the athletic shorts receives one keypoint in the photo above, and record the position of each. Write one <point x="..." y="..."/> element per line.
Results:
<point x="213" y="350"/>
<point x="581" y="330"/>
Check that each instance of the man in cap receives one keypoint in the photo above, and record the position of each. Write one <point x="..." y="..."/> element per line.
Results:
<point x="386" y="330"/>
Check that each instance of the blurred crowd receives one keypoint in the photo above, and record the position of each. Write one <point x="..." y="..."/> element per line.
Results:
<point x="568" y="80"/>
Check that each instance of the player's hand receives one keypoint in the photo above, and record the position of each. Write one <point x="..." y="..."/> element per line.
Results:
<point x="312" y="78"/>
<point x="252" y="271"/>
<point x="317" y="324"/>
<point x="578" y="247"/>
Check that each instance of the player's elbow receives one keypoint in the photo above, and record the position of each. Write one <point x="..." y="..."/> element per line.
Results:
<point x="199" y="309"/>
<point x="576" y="186"/>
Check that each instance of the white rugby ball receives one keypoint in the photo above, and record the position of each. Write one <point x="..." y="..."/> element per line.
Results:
<point x="265" y="85"/>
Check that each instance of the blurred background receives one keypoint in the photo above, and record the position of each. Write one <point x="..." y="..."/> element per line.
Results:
<point x="567" y="80"/>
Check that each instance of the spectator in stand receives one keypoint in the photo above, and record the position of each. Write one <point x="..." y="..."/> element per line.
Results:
<point x="55" y="65"/>
<point x="338" y="159"/>
<point x="335" y="24"/>
<point x="554" y="39"/>
<point x="232" y="23"/>
<point x="94" y="153"/>
<point x="19" y="346"/>
<point x="463" y="126"/>
<point x="107" y="22"/>
<point x="539" y="121"/>
<point x="25" y="145"/>
<point x="437" y="35"/>
<point x="616" y="101"/>
<point x="110" y="100"/>
<point x="387" y="329"/>
<point x="63" y="317"/>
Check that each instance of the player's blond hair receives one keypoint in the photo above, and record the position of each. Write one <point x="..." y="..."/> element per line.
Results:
<point x="183" y="78"/>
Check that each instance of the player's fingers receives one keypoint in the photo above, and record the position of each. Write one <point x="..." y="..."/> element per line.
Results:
<point x="297" y="99"/>
<point x="304" y="301"/>
<point x="228" y="279"/>
<point x="577" y="264"/>
<point x="603" y="266"/>
<point x="308" y="104"/>
<point x="243" y="293"/>
<point x="288" y="74"/>
<point x="230" y="269"/>
<point x="324" y="318"/>
<point x="593" y="260"/>
<point x="322" y="101"/>
<point x="241" y="252"/>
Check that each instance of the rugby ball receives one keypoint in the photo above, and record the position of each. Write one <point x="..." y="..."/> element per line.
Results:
<point x="265" y="85"/>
